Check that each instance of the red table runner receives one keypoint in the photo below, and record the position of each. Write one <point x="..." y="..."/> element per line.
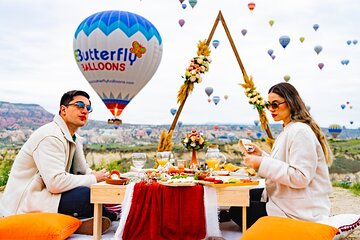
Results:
<point x="159" y="212"/>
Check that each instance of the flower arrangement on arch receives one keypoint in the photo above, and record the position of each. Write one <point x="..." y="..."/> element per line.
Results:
<point x="194" y="140"/>
<point x="255" y="99"/>
<point x="198" y="65"/>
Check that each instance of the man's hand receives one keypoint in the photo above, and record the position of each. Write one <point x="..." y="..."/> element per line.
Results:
<point x="101" y="175"/>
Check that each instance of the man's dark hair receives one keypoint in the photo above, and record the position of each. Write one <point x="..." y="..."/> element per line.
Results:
<point x="69" y="96"/>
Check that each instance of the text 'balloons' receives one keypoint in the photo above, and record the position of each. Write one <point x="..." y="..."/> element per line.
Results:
<point x="181" y="22"/>
<point x="111" y="59"/>
<point x="284" y="41"/>
<point x="215" y="43"/>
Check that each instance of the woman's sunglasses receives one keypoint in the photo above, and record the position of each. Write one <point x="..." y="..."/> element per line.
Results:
<point x="273" y="105"/>
<point x="81" y="105"/>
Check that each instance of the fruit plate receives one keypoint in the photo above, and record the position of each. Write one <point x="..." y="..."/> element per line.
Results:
<point x="178" y="184"/>
<point x="220" y="185"/>
<point x="121" y="181"/>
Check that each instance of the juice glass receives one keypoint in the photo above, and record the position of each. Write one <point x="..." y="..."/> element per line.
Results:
<point x="162" y="158"/>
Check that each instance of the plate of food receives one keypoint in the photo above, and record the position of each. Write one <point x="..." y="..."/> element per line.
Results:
<point x="115" y="178"/>
<point x="179" y="181"/>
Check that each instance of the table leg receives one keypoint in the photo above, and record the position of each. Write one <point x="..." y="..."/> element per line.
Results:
<point x="97" y="221"/>
<point x="244" y="219"/>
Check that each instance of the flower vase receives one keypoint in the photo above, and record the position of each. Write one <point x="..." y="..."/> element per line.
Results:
<point x="194" y="163"/>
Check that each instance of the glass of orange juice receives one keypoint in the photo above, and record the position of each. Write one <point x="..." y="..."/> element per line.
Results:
<point x="212" y="163"/>
<point x="162" y="158"/>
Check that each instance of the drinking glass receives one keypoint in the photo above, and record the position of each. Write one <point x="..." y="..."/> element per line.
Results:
<point x="138" y="160"/>
<point x="162" y="158"/>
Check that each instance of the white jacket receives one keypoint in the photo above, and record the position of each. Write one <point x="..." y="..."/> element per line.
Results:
<point x="297" y="177"/>
<point x="40" y="172"/>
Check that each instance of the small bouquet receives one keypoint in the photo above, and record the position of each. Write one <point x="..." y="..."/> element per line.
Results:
<point x="255" y="99"/>
<point x="194" y="140"/>
<point x="198" y="65"/>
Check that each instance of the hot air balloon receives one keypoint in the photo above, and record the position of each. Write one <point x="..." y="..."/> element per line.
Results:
<point x="301" y="39"/>
<point x="355" y="42"/>
<point x="256" y="122"/>
<point x="216" y="99"/>
<point x="216" y="127"/>
<point x="273" y="57"/>
<point x="351" y="122"/>
<point x="251" y="6"/>
<point x="308" y="108"/>
<point x="271" y="22"/>
<point x="348" y="42"/>
<point x="347" y="102"/>
<point x="350" y="107"/>
<point x="318" y="49"/>
<point x="192" y="3"/>
<point x="342" y="106"/>
<point x="209" y="91"/>
<point x="284" y="41"/>
<point x="334" y="130"/>
<point x="286" y="78"/>
<point x="315" y="27"/>
<point x="118" y="52"/>
<point x="209" y="100"/>
<point x="181" y="22"/>
<point x="243" y="32"/>
<point x="270" y="52"/>
<point x="148" y="131"/>
<point x="231" y="136"/>
<point x="226" y="97"/>
<point x="179" y="123"/>
<point x="259" y="134"/>
<point x="321" y="65"/>
<point x="181" y="1"/>
<point x="183" y="5"/>
<point x="173" y="111"/>
<point x="215" y="43"/>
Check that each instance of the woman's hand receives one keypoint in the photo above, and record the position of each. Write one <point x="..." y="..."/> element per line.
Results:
<point x="101" y="175"/>
<point x="257" y="150"/>
<point x="252" y="161"/>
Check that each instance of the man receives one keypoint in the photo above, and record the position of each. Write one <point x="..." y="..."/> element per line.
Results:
<point x="50" y="173"/>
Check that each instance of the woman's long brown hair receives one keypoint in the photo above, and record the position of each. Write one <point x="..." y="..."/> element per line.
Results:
<point x="299" y="113"/>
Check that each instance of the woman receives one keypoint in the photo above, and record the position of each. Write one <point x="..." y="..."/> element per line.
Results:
<point x="296" y="171"/>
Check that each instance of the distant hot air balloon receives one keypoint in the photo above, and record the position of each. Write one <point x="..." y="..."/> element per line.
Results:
<point x="243" y="32"/>
<point x="321" y="65"/>
<point x="216" y="99"/>
<point x="173" y="111"/>
<point x="348" y="42"/>
<point x="308" y="108"/>
<point x="301" y="39"/>
<point x="287" y="78"/>
<point x="180" y="123"/>
<point x="192" y="3"/>
<point x="270" y="52"/>
<point x="318" y="49"/>
<point x="251" y="6"/>
<point x="350" y="107"/>
<point x="273" y="57"/>
<point x="259" y="134"/>
<point x="347" y="102"/>
<point x="334" y="130"/>
<point x="226" y="97"/>
<point x="148" y="131"/>
<point x="209" y="100"/>
<point x="351" y="122"/>
<point x="342" y="106"/>
<point x="209" y="91"/>
<point x="256" y="122"/>
<point x="111" y="48"/>
<point x="284" y="41"/>
<point x="216" y="127"/>
<point x="181" y="22"/>
<point x="315" y="27"/>
<point x="181" y="1"/>
<point x="271" y="22"/>
<point x="215" y="43"/>
<point x="355" y="42"/>
<point x="183" y="5"/>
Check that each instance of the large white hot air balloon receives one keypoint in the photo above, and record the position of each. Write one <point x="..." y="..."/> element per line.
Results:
<point x="118" y="52"/>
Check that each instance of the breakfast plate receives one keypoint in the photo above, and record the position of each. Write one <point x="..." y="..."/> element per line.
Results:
<point x="121" y="181"/>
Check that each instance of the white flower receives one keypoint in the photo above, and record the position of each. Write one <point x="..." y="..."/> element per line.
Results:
<point x="193" y="144"/>
<point x="199" y="60"/>
<point x="186" y="140"/>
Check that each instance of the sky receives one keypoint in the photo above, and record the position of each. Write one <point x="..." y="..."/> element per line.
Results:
<point x="37" y="64"/>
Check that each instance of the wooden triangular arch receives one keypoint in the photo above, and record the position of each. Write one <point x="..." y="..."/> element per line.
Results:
<point x="248" y="81"/>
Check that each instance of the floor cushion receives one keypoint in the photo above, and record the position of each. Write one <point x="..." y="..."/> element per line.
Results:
<point x="345" y="223"/>
<point x="38" y="226"/>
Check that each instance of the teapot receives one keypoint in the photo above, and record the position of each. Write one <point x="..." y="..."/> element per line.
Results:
<point x="214" y="158"/>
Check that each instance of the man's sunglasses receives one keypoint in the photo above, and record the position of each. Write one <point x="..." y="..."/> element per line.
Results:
<point x="273" y="105"/>
<point x="81" y="105"/>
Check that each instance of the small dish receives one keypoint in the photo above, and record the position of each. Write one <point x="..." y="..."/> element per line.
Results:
<point x="121" y="181"/>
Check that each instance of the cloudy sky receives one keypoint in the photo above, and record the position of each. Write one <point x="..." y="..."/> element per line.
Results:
<point x="37" y="63"/>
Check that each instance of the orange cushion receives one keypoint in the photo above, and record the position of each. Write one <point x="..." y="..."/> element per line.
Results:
<point x="38" y="226"/>
<point x="277" y="228"/>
